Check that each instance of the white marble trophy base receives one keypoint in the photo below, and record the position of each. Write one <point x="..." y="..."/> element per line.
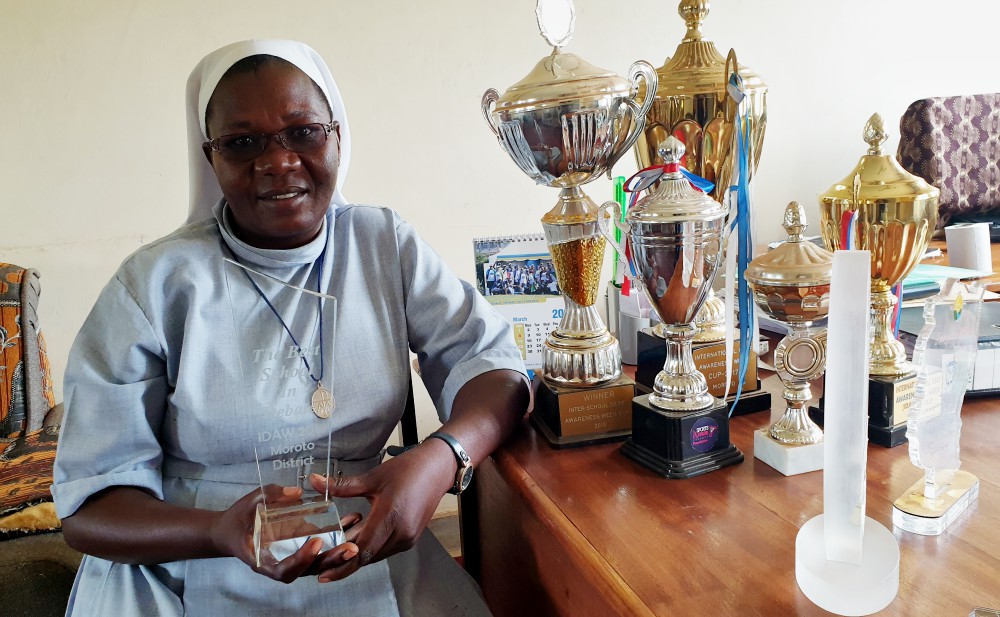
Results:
<point x="847" y="588"/>
<point x="930" y="517"/>
<point x="789" y="460"/>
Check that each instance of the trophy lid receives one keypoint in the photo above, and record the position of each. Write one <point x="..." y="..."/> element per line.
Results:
<point x="560" y="78"/>
<point x="697" y="67"/>
<point x="882" y="179"/>
<point x="675" y="200"/>
<point x="795" y="263"/>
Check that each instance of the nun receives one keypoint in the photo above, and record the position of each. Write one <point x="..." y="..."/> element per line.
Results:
<point x="157" y="476"/>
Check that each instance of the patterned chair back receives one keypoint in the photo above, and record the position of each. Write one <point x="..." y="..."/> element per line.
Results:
<point x="954" y="143"/>
<point x="27" y="436"/>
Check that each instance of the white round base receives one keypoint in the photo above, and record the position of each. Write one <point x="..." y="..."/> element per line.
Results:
<point x="847" y="588"/>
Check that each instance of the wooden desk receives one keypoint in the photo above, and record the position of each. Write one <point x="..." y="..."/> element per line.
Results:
<point x="588" y="532"/>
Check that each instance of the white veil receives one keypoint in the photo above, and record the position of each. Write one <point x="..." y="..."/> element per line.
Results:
<point x="204" y="188"/>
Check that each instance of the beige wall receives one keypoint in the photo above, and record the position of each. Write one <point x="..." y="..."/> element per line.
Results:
<point x="93" y="158"/>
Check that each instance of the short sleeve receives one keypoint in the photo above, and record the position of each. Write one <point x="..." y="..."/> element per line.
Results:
<point x="456" y="334"/>
<point x="115" y="398"/>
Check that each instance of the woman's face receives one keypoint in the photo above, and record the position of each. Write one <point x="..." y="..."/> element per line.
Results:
<point x="278" y="199"/>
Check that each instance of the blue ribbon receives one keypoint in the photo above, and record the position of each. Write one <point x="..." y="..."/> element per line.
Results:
<point x="744" y="240"/>
<point x="703" y="185"/>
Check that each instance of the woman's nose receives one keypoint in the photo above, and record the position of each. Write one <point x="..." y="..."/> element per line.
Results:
<point x="276" y="158"/>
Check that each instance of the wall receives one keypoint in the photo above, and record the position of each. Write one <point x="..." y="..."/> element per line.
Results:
<point x="93" y="163"/>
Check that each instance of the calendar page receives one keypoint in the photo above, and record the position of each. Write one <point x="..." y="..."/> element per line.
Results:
<point x="517" y="277"/>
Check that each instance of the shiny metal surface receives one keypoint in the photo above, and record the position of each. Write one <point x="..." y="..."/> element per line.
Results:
<point x="897" y="212"/>
<point x="691" y="104"/>
<point x="792" y="284"/>
<point x="676" y="235"/>
<point x="566" y="123"/>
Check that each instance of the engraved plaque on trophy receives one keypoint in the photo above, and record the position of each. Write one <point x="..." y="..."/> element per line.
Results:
<point x="944" y="354"/>
<point x="566" y="123"/>
<point x="679" y="430"/>
<point x="882" y="208"/>
<point x="285" y="337"/>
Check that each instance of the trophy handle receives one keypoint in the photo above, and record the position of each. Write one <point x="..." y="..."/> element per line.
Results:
<point x="612" y="210"/>
<point x="645" y="70"/>
<point x="490" y="97"/>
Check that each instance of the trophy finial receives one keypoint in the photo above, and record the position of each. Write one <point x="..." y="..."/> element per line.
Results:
<point x="671" y="150"/>
<point x="795" y="221"/>
<point x="874" y="134"/>
<point x="693" y="12"/>
<point x="556" y="20"/>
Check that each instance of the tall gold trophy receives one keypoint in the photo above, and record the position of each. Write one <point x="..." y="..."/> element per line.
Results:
<point x="896" y="215"/>
<point x="566" y="123"/>
<point x="691" y="104"/>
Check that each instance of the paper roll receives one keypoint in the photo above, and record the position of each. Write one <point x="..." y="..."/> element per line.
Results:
<point x="969" y="246"/>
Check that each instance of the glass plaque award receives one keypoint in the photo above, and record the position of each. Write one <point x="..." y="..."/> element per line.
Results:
<point x="944" y="356"/>
<point x="285" y="336"/>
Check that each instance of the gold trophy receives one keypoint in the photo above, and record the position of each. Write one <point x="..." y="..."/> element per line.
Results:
<point x="692" y="104"/>
<point x="792" y="284"/>
<point x="896" y="214"/>
<point x="566" y="123"/>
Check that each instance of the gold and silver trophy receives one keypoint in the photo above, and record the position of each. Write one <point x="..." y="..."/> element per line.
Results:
<point x="566" y="123"/>
<point x="693" y="105"/>
<point x="891" y="213"/>
<point x="792" y="285"/>
<point x="677" y="236"/>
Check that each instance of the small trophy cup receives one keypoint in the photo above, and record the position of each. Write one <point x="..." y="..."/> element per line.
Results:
<point x="894" y="214"/>
<point x="566" y="123"/>
<point x="792" y="284"/>
<point x="690" y="104"/>
<point x="285" y="338"/>
<point x="944" y="354"/>
<point x="677" y="233"/>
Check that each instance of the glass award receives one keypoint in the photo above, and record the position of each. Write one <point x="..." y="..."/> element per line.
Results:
<point x="944" y="355"/>
<point x="285" y="336"/>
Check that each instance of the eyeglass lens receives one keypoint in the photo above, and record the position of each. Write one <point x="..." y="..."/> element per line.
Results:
<point x="245" y="146"/>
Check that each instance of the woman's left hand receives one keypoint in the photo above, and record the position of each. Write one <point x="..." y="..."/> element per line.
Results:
<point x="404" y="492"/>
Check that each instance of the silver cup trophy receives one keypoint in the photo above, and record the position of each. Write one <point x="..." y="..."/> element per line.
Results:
<point x="677" y="236"/>
<point x="566" y="123"/>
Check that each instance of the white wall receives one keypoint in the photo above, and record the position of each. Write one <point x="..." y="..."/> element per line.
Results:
<point x="93" y="156"/>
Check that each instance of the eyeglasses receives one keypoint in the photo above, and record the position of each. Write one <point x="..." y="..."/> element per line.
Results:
<point x="242" y="147"/>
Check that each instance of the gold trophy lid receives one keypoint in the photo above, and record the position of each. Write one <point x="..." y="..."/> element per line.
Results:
<point x="560" y="78"/>
<point x="697" y="67"/>
<point x="795" y="263"/>
<point x="675" y="200"/>
<point x="882" y="179"/>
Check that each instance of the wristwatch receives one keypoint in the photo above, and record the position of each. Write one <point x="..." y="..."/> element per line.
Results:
<point x="464" y="474"/>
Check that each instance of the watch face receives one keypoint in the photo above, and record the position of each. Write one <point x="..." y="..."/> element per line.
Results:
<point x="465" y="480"/>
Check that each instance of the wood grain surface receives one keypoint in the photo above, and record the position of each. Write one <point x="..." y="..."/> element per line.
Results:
<point x="589" y="532"/>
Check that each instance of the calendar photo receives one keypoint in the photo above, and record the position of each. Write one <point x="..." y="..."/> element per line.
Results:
<point x="517" y="276"/>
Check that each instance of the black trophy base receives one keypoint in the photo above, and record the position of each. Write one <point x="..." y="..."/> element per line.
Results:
<point x="574" y="417"/>
<point x="889" y="401"/>
<point x="885" y="436"/>
<point x="680" y="444"/>
<point x="750" y="402"/>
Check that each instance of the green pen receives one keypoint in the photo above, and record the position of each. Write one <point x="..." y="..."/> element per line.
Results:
<point x="621" y="198"/>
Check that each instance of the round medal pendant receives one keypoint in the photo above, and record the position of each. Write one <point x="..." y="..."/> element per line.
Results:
<point x="322" y="402"/>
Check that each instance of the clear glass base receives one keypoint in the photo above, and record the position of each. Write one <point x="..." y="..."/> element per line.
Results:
<point x="915" y="513"/>
<point x="279" y="532"/>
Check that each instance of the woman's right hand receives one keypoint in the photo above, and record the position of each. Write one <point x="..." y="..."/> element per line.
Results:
<point x="233" y="535"/>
